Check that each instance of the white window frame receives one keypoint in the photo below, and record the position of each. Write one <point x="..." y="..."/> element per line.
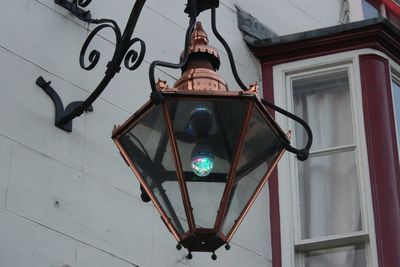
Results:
<point x="282" y="75"/>
<point x="356" y="10"/>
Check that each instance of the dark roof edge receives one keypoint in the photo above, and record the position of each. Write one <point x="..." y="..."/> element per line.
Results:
<point x="377" y="33"/>
<point x="323" y="32"/>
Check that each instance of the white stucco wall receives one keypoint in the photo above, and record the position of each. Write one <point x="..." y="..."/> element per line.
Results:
<point x="68" y="199"/>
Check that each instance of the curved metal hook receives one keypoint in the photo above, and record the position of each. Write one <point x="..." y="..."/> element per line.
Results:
<point x="228" y="50"/>
<point x="302" y="154"/>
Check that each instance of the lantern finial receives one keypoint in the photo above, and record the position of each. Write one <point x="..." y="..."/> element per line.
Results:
<point x="199" y="36"/>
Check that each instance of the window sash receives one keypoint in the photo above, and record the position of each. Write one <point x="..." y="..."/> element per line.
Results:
<point x="332" y="150"/>
<point x="301" y="245"/>
<point x="333" y="241"/>
<point x="320" y="152"/>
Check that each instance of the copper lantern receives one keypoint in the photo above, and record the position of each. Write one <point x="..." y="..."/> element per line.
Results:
<point x="203" y="154"/>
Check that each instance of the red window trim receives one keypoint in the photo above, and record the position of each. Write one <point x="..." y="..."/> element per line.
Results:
<point x="273" y="184"/>
<point x="383" y="157"/>
<point x="392" y="6"/>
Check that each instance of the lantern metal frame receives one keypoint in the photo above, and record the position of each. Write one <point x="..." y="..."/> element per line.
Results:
<point x="197" y="239"/>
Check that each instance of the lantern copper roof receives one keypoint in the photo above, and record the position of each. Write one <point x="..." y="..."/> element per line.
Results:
<point x="200" y="71"/>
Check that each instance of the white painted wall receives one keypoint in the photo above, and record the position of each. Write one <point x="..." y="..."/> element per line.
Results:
<point x="68" y="199"/>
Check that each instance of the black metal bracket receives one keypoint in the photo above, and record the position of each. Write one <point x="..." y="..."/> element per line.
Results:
<point x="75" y="7"/>
<point x="124" y="52"/>
<point x="201" y="5"/>
<point x="60" y="111"/>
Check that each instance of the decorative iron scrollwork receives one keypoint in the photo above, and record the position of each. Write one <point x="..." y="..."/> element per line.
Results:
<point x="94" y="55"/>
<point x="133" y="59"/>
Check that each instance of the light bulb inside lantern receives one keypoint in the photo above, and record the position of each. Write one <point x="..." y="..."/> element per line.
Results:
<point x="200" y="121"/>
<point x="202" y="160"/>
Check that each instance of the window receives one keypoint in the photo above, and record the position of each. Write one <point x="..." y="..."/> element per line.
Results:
<point x="324" y="200"/>
<point x="370" y="9"/>
<point x="390" y="9"/>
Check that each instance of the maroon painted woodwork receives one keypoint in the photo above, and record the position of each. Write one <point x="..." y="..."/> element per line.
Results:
<point x="392" y="6"/>
<point x="273" y="184"/>
<point x="382" y="155"/>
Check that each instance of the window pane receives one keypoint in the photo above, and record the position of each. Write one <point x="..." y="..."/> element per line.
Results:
<point x="324" y="102"/>
<point x="149" y="148"/>
<point x="329" y="195"/>
<point x="260" y="144"/>
<point x="396" y="98"/>
<point x="352" y="256"/>
<point x="369" y="10"/>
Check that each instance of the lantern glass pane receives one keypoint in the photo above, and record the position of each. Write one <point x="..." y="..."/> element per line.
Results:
<point x="260" y="149"/>
<point x="149" y="148"/>
<point x="207" y="133"/>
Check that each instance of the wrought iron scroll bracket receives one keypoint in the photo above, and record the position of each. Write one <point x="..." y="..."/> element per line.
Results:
<point x="123" y="53"/>
<point x="75" y="7"/>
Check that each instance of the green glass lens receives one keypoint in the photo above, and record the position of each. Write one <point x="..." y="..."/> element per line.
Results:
<point x="202" y="165"/>
<point x="202" y="160"/>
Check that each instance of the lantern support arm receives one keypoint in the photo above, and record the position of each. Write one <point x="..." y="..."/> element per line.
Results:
<point x="123" y="52"/>
<point x="303" y="153"/>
